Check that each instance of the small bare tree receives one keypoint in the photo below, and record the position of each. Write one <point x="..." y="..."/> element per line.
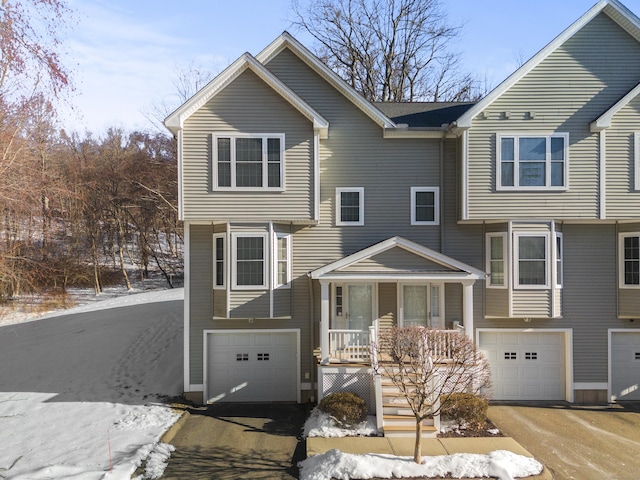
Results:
<point x="427" y="366"/>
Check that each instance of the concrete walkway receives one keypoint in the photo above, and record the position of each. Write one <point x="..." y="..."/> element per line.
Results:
<point x="430" y="446"/>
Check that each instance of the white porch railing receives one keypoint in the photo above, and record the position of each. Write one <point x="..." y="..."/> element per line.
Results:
<point x="351" y="345"/>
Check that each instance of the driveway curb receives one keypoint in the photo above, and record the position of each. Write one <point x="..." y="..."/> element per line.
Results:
<point x="171" y="432"/>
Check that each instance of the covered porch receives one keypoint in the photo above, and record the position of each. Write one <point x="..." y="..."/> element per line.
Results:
<point x="394" y="282"/>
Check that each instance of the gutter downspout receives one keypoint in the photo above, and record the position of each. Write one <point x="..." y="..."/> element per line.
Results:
<point x="312" y="338"/>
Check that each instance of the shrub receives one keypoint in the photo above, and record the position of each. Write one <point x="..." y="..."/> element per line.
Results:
<point x="346" y="408"/>
<point x="465" y="408"/>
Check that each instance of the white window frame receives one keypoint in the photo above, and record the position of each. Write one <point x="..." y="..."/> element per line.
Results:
<point x="505" y="259"/>
<point x="276" y="260"/>
<point x="621" y="260"/>
<point x="265" y="260"/>
<point x="265" y="164"/>
<point x="436" y="205"/>
<point x="636" y="160"/>
<point x="558" y="258"/>
<point x="516" y="260"/>
<point x="338" y="213"/>
<point x="222" y="236"/>
<point x="516" y="163"/>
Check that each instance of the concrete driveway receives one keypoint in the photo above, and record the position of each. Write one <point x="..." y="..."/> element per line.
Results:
<point x="232" y="441"/>
<point x="576" y="442"/>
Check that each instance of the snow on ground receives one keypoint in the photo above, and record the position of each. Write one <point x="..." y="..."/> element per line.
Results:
<point x="81" y="391"/>
<point x="339" y="465"/>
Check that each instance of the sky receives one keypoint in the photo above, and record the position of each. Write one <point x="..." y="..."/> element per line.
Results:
<point x="124" y="54"/>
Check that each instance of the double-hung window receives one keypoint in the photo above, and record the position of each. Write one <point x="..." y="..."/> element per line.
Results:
<point x="559" y="258"/>
<point x="248" y="162"/>
<point x="496" y="260"/>
<point x="282" y="260"/>
<point x="531" y="260"/>
<point x="629" y="251"/>
<point x="250" y="261"/>
<point x="532" y="162"/>
<point x="219" y="265"/>
<point x="350" y="206"/>
<point x="636" y="160"/>
<point x="425" y="206"/>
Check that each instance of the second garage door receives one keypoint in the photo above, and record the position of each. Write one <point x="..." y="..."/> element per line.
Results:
<point x="252" y="366"/>
<point x="625" y="365"/>
<point x="526" y="365"/>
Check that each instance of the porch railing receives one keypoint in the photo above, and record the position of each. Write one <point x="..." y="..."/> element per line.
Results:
<point x="355" y="345"/>
<point x="351" y="345"/>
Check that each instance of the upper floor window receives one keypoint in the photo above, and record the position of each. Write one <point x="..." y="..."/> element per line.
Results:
<point x="531" y="261"/>
<point x="530" y="162"/>
<point x="496" y="259"/>
<point x="425" y="206"/>
<point x="248" y="161"/>
<point x="630" y="260"/>
<point x="250" y="262"/>
<point x="282" y="260"/>
<point x="350" y="206"/>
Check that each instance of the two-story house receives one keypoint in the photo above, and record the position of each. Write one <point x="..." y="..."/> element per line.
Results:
<point x="314" y="218"/>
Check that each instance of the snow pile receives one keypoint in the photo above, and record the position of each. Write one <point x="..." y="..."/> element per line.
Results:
<point x="81" y="393"/>
<point x="320" y="424"/>
<point x="344" y="466"/>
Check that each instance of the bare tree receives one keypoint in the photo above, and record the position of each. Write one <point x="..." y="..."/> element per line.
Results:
<point x="427" y="366"/>
<point x="388" y="50"/>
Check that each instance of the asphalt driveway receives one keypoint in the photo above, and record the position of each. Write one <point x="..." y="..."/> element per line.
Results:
<point x="576" y="442"/>
<point x="232" y="441"/>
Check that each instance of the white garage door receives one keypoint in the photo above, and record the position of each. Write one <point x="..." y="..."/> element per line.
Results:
<point x="625" y="365"/>
<point x="526" y="365"/>
<point x="257" y="366"/>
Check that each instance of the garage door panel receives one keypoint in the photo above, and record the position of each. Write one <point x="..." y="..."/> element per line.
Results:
<point x="625" y="365"/>
<point x="252" y="366"/>
<point x="526" y="365"/>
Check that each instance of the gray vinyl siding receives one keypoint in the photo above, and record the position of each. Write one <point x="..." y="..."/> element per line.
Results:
<point x="247" y="105"/>
<point x="568" y="90"/>
<point x="220" y="303"/>
<point x="623" y="200"/>
<point x="200" y="294"/>
<point x="395" y="259"/>
<point x="387" y="305"/>
<point x="497" y="302"/>
<point x="453" y="303"/>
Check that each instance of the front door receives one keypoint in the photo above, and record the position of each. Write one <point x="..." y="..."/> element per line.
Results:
<point x="359" y="307"/>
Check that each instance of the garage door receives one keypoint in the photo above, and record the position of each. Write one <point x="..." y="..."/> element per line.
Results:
<point x="526" y="365"/>
<point x="258" y="366"/>
<point x="625" y="365"/>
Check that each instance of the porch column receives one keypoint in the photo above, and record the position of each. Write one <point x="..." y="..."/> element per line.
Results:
<point x="467" y="308"/>
<point x="324" y="322"/>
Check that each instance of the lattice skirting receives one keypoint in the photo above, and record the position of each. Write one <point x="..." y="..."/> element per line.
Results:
<point x="336" y="379"/>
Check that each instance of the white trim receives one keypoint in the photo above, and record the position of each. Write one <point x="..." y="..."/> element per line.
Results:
<point x="466" y="120"/>
<point x="516" y="260"/>
<point x="568" y="349"/>
<point x="180" y="143"/>
<point x="271" y="282"/>
<point x="505" y="245"/>
<point x="186" y="334"/>
<point x="465" y="175"/>
<point x="554" y="265"/>
<point x="621" y="281"/>
<point x="609" y="356"/>
<point x="316" y="177"/>
<point x="604" y="120"/>
<point x="265" y="260"/>
<point x="436" y="205"/>
<point x="265" y="137"/>
<point x="636" y="160"/>
<point x="516" y="161"/>
<point x="338" y="213"/>
<point x="602" y="181"/>
<point x="175" y="121"/>
<point x="225" y="255"/>
<point x="466" y="271"/>
<point x="228" y="272"/>
<point x="285" y="40"/>
<point x="248" y="331"/>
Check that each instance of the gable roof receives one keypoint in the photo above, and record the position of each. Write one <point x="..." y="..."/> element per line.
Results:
<point x="285" y="40"/>
<point x="453" y="269"/>
<point x="175" y="121"/>
<point x="604" y="120"/>
<point x="614" y="9"/>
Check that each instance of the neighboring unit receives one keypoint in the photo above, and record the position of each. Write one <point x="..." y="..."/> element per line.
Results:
<point x="314" y="218"/>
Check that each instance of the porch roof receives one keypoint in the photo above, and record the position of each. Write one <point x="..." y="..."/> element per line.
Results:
<point x="429" y="265"/>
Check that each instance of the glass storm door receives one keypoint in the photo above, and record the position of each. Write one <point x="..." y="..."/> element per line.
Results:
<point x="421" y="305"/>
<point x="359" y="307"/>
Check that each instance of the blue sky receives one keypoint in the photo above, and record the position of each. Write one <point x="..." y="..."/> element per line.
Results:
<point x="124" y="53"/>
